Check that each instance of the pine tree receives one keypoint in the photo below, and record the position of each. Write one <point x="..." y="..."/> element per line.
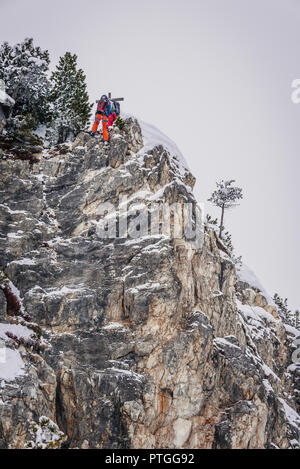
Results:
<point x="69" y="100"/>
<point x="120" y="123"/>
<point x="225" y="197"/>
<point x="287" y="316"/>
<point x="23" y="68"/>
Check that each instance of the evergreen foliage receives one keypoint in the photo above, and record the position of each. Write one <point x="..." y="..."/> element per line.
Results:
<point x="225" y="196"/>
<point x="119" y="122"/>
<point x="69" y="100"/>
<point x="287" y="316"/>
<point x="23" y="68"/>
<point x="59" y="104"/>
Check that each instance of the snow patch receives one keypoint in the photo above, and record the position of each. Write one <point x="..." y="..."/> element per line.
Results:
<point x="14" y="236"/>
<point x="153" y="137"/>
<point x="222" y="341"/>
<point x="267" y="371"/>
<point x="245" y="274"/>
<point x="113" y="325"/>
<point x="291" y="330"/>
<point x="16" y="329"/>
<point x="12" y="365"/>
<point x="5" y="99"/>
<point x="292" y="416"/>
<point x="268" y="386"/>
<point x="64" y="291"/>
<point x="129" y="374"/>
<point x="40" y="131"/>
<point x="24" y="261"/>
<point x="255" y="312"/>
<point x="145" y="286"/>
<point x="12" y="212"/>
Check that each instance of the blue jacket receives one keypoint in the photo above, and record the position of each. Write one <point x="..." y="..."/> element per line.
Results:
<point x="108" y="110"/>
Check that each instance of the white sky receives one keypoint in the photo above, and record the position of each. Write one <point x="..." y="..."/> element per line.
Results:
<point x="215" y="76"/>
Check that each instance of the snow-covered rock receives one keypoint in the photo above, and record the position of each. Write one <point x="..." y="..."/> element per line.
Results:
<point x="124" y="342"/>
<point x="246" y="275"/>
<point x="5" y="99"/>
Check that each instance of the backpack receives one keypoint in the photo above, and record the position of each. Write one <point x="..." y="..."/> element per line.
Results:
<point x="116" y="107"/>
<point x="103" y="104"/>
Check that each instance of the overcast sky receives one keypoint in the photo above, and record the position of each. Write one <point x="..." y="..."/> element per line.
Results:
<point x="215" y="76"/>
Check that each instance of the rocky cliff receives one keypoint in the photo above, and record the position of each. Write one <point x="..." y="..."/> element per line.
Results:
<point x="129" y="342"/>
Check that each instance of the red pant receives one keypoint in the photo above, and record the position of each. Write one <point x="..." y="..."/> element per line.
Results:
<point x="111" y="119"/>
<point x="104" y="118"/>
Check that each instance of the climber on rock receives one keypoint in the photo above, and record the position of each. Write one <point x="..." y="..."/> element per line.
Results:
<point x="107" y="110"/>
<point x="103" y="112"/>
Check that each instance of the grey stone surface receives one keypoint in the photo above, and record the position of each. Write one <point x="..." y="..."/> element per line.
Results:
<point x="137" y="349"/>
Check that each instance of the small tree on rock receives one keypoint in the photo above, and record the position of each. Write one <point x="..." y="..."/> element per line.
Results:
<point x="225" y="196"/>
<point x="69" y="100"/>
<point x="287" y="315"/>
<point x="45" y="435"/>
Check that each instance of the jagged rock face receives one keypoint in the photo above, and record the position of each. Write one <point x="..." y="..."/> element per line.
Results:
<point x="144" y="342"/>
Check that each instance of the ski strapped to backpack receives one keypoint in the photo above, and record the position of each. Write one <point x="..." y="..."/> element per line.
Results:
<point x="116" y="107"/>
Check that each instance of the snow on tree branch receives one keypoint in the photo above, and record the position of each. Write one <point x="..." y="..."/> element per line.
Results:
<point x="225" y="196"/>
